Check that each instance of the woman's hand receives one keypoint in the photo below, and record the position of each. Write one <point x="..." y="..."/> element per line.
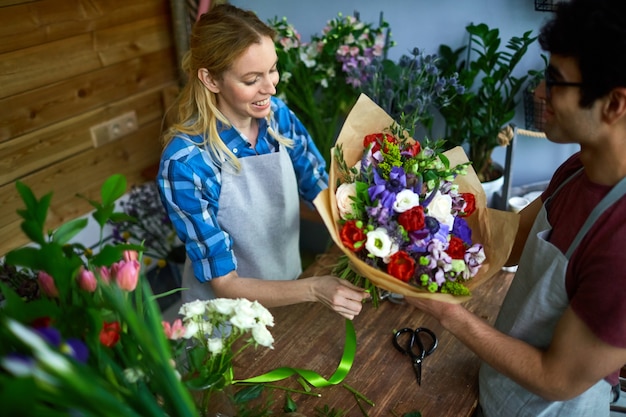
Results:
<point x="338" y="295"/>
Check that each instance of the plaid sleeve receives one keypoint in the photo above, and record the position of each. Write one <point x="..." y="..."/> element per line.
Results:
<point x="189" y="186"/>
<point x="308" y="163"/>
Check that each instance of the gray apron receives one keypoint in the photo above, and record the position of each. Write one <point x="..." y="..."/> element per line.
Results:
<point x="260" y="212"/>
<point x="531" y="309"/>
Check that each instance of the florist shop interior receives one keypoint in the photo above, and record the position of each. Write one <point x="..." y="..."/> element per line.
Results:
<point x="86" y="88"/>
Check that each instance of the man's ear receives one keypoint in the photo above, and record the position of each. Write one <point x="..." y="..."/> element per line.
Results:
<point x="615" y="108"/>
<point x="209" y="82"/>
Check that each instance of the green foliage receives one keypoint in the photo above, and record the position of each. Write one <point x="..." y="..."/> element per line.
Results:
<point x="491" y="90"/>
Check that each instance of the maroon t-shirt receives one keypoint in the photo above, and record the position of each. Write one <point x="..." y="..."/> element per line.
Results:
<point x="596" y="274"/>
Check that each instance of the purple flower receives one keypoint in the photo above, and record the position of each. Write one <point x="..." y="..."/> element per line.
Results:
<point x="462" y="230"/>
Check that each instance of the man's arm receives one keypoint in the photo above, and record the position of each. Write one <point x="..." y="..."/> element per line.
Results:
<point x="575" y="360"/>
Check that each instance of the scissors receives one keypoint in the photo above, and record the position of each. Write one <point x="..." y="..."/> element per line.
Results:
<point x="414" y="346"/>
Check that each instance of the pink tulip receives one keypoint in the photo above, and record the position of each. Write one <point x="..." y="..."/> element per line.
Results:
<point x="131" y="255"/>
<point x="105" y="274"/>
<point x="87" y="280"/>
<point x="174" y="331"/>
<point x="46" y="282"/>
<point x="126" y="274"/>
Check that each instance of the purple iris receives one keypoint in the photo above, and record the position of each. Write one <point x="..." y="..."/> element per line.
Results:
<point x="386" y="190"/>
<point x="461" y="229"/>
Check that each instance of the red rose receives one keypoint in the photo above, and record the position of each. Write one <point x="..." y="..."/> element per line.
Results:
<point x="401" y="266"/>
<point x="352" y="236"/>
<point x="412" y="219"/>
<point x="377" y="139"/>
<point x="470" y="204"/>
<point x="415" y="149"/>
<point x="110" y="333"/>
<point x="456" y="248"/>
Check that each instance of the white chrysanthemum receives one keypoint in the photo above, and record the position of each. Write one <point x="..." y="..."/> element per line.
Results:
<point x="262" y="336"/>
<point x="344" y="194"/>
<point x="379" y="243"/>
<point x="441" y="209"/>
<point x="405" y="200"/>
<point x="192" y="309"/>
<point x="215" y="345"/>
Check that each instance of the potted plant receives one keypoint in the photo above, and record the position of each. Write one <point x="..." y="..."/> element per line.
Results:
<point x="533" y="107"/>
<point x="477" y="117"/>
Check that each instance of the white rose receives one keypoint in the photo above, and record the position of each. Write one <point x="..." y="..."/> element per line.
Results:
<point x="379" y="243"/>
<point x="191" y="329"/>
<point x="262" y="314"/>
<point x="344" y="195"/>
<point x="215" y="345"/>
<point x="224" y="306"/>
<point x="441" y="209"/>
<point x="262" y="336"/>
<point x="405" y="200"/>
<point x="192" y="309"/>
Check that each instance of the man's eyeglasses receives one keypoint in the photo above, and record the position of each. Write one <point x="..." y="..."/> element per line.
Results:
<point x="550" y="82"/>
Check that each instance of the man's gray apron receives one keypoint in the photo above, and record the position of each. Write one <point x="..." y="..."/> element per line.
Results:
<point x="260" y="211"/>
<point x="531" y="309"/>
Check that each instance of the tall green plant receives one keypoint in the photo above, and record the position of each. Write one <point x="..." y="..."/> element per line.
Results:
<point x="491" y="95"/>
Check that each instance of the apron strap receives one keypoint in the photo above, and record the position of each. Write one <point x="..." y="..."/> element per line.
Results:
<point x="613" y="196"/>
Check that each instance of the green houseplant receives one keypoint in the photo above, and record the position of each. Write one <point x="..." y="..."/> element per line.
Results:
<point x="476" y="117"/>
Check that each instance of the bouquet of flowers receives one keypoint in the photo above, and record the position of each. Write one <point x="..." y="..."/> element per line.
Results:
<point x="409" y="219"/>
<point x="204" y="341"/>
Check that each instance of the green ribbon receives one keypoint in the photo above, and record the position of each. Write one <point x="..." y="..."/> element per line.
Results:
<point x="313" y="378"/>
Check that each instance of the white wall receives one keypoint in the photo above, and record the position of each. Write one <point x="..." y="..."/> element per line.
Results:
<point x="427" y="24"/>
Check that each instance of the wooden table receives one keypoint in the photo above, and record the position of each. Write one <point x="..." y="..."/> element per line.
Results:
<point x="310" y="336"/>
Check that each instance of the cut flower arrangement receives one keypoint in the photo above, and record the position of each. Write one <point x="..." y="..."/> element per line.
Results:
<point x="409" y="219"/>
<point x="401" y="212"/>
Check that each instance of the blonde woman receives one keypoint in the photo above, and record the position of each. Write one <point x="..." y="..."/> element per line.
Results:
<point x="233" y="170"/>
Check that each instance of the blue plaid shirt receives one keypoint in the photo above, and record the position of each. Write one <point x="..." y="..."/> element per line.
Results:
<point x="190" y="183"/>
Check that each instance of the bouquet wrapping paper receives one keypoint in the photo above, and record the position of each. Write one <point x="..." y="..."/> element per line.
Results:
<point x="494" y="229"/>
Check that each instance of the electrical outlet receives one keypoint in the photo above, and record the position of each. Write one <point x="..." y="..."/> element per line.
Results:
<point x="114" y="129"/>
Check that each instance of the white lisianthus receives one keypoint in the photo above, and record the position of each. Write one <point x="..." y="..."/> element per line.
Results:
<point x="344" y="195"/>
<point x="192" y="308"/>
<point x="215" y="345"/>
<point x="405" y="200"/>
<point x="379" y="243"/>
<point x="441" y="209"/>
<point x="262" y="336"/>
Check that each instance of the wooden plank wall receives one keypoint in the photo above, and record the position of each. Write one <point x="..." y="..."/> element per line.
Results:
<point x="66" y="66"/>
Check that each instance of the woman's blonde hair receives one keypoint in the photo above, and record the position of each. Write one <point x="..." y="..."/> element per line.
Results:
<point x="217" y="39"/>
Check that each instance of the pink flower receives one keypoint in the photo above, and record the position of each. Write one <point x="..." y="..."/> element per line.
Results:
<point x="126" y="274"/>
<point x="174" y="331"/>
<point x="105" y="274"/>
<point x="131" y="255"/>
<point x="87" y="280"/>
<point x="46" y="282"/>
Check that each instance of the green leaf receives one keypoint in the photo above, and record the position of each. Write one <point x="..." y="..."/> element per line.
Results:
<point x="290" y="405"/>
<point x="112" y="189"/>
<point x="249" y="393"/>
<point x="67" y="231"/>
<point x="27" y="257"/>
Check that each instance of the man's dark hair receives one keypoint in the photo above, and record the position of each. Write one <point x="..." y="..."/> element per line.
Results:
<point x="594" y="33"/>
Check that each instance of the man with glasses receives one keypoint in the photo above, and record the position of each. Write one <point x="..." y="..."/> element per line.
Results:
<point x="560" y="338"/>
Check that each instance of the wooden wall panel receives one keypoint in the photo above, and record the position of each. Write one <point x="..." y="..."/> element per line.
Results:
<point x="65" y="67"/>
<point x="80" y="174"/>
<point x="35" y="23"/>
<point x="35" y="109"/>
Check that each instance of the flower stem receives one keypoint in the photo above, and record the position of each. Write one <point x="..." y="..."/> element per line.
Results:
<point x="357" y="394"/>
